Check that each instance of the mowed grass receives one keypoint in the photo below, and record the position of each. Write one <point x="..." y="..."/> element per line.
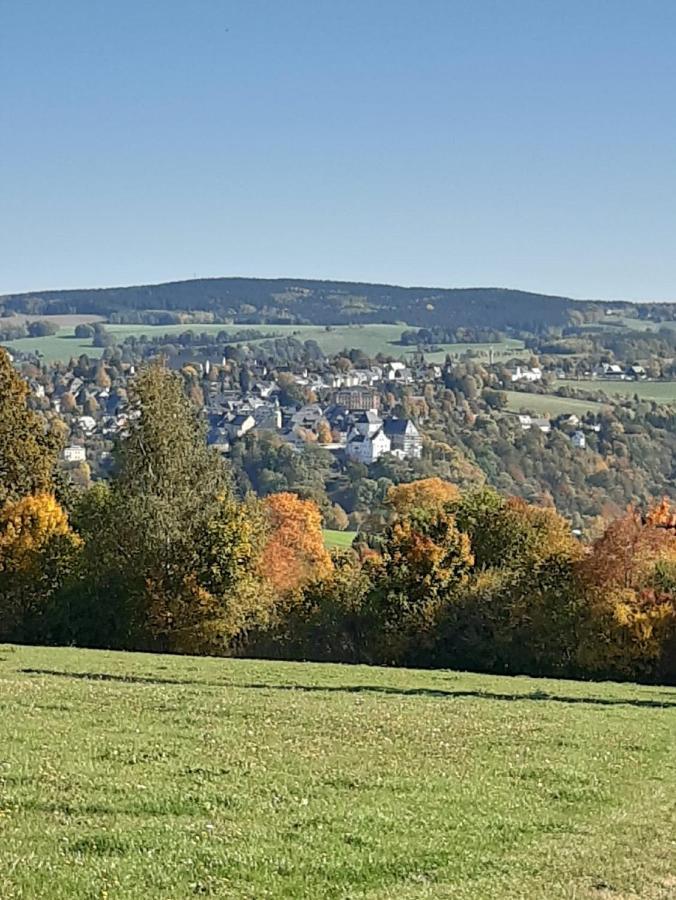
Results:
<point x="338" y="539"/>
<point x="549" y="404"/>
<point x="659" y="391"/>
<point x="140" y="776"/>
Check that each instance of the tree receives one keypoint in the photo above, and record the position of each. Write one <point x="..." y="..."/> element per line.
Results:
<point x="28" y="451"/>
<point x="430" y="494"/>
<point x="169" y="551"/>
<point x="83" y="331"/>
<point x="37" y="552"/>
<point x="324" y="432"/>
<point x="337" y="518"/>
<point x="102" y="377"/>
<point x="294" y="553"/>
<point x="630" y="581"/>
<point x="42" y="328"/>
<point x="425" y="561"/>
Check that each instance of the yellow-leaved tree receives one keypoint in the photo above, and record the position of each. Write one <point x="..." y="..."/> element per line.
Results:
<point x="38" y="551"/>
<point x="430" y="494"/>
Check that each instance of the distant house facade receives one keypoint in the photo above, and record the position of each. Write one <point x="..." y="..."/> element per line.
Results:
<point x="405" y="438"/>
<point x="366" y="449"/>
<point x="357" y="399"/>
<point x="74" y="454"/>
<point x="529" y="376"/>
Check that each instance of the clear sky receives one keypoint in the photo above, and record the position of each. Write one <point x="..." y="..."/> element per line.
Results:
<point x="518" y="143"/>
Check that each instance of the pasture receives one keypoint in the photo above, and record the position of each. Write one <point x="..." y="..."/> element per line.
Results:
<point x="338" y="539"/>
<point x="139" y="776"/>
<point x="549" y="404"/>
<point x="659" y="391"/>
<point x="372" y="339"/>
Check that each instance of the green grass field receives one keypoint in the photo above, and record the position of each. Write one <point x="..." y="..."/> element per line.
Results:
<point x="660" y="391"/>
<point x="372" y="339"/>
<point x="340" y="539"/>
<point x="549" y="404"/>
<point x="140" y="776"/>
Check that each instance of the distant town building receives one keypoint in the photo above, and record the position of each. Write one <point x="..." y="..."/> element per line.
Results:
<point x="529" y="376"/>
<point x="74" y="454"/>
<point x="404" y="437"/>
<point x="367" y="450"/>
<point x="357" y="398"/>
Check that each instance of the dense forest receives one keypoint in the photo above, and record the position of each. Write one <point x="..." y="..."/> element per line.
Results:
<point x="302" y="301"/>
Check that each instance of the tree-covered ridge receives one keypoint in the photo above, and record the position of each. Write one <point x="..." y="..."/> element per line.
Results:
<point x="310" y="302"/>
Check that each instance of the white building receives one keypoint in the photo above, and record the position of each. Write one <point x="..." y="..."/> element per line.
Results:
<point x="74" y="454"/>
<point x="527" y="375"/>
<point x="367" y="450"/>
<point x="367" y="423"/>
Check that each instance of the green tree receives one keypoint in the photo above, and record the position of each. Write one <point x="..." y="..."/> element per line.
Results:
<point x="168" y="548"/>
<point x="28" y="451"/>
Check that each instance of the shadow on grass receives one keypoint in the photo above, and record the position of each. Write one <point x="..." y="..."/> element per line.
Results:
<point x="666" y="703"/>
<point x="105" y="676"/>
<point x="477" y="695"/>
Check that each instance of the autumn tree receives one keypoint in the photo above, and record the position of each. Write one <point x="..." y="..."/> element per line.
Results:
<point x="294" y="553"/>
<point x="102" y="377"/>
<point x="28" y="451"/>
<point x="424" y="561"/>
<point x="430" y="494"/>
<point x="38" y="552"/>
<point x="171" y="554"/>
<point x="630" y="580"/>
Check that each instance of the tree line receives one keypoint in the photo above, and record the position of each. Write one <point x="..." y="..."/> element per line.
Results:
<point x="166" y="556"/>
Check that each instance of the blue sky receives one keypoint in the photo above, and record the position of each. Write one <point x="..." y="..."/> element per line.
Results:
<point x="519" y="143"/>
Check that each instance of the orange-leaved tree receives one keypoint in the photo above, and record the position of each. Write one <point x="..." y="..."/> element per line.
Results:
<point x="430" y="494"/>
<point x="294" y="553"/>
<point x="630" y="578"/>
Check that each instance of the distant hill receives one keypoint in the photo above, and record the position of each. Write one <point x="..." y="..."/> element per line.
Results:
<point x="305" y="301"/>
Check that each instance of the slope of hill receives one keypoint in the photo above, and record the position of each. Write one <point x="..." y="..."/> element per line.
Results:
<point x="312" y="302"/>
<point x="129" y="775"/>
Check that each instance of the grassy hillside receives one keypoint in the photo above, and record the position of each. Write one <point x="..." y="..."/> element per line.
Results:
<point x="659" y="391"/>
<point x="372" y="339"/>
<point x="132" y="776"/>
<point x="549" y="404"/>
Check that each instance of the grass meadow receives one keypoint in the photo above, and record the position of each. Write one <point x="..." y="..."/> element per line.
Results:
<point x="372" y="339"/>
<point x="549" y="404"/>
<point x="339" y="539"/>
<point x="659" y="391"/>
<point x="141" y="776"/>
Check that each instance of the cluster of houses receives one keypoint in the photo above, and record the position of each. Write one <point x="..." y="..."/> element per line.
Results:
<point x="615" y="372"/>
<point x="349" y="426"/>
<point x="571" y="425"/>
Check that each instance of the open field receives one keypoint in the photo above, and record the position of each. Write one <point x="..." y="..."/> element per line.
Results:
<point x="659" y="391"/>
<point x="68" y="320"/>
<point x="549" y="404"/>
<point x="140" y="776"/>
<point x="339" y="539"/>
<point x="372" y="339"/>
<point x="635" y="324"/>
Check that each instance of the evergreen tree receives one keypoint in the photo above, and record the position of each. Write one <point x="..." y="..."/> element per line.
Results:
<point x="170" y="552"/>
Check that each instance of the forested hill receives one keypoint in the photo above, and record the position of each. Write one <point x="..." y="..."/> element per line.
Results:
<point x="310" y="302"/>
